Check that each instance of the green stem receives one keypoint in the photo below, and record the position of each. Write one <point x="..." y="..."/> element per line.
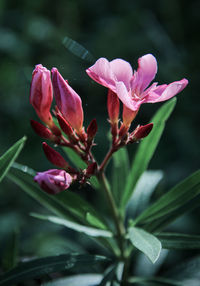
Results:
<point x="116" y="217"/>
<point x="106" y="159"/>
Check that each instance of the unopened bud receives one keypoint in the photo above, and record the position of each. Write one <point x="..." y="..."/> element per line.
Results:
<point x="66" y="128"/>
<point x="142" y="131"/>
<point x="123" y="131"/>
<point x="54" y="157"/>
<point x="91" y="169"/>
<point x="41" y="130"/>
<point x="92" y="130"/>
<point x="41" y="94"/>
<point x="128" y="115"/>
<point x="113" y="107"/>
<point x="68" y="101"/>
<point x="53" y="181"/>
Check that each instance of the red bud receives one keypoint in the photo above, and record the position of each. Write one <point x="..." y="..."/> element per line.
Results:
<point x="91" y="169"/>
<point x="54" y="157"/>
<point x="41" y="130"/>
<point x="142" y="131"/>
<point x="92" y="129"/>
<point x="66" y="128"/>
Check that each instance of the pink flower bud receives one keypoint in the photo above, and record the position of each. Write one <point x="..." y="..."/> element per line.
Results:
<point x="113" y="107"/>
<point x="41" y="95"/>
<point x="92" y="129"/>
<point x="41" y="130"/>
<point x="142" y="131"/>
<point x="68" y="101"/>
<point x="54" y="157"/>
<point x="128" y="115"/>
<point x="53" y="181"/>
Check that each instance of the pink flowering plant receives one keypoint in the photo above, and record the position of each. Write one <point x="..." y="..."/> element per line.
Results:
<point x="121" y="220"/>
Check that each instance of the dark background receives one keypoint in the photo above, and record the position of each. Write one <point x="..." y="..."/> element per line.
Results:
<point x="31" y="32"/>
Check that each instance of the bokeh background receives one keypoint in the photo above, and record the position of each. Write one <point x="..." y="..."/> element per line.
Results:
<point x="32" y="32"/>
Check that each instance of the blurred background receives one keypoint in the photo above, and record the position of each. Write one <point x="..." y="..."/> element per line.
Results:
<point x="32" y="32"/>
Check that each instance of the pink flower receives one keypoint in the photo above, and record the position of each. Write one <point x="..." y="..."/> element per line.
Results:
<point x="53" y="181"/>
<point x="41" y="94"/>
<point x="132" y="88"/>
<point x="68" y="101"/>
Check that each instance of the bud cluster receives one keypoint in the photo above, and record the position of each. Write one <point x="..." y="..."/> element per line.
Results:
<point x="69" y="131"/>
<point x="120" y="135"/>
<point x="123" y="84"/>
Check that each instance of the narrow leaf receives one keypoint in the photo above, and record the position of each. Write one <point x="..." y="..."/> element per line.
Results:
<point x="74" y="158"/>
<point x="40" y="267"/>
<point x="94" y="221"/>
<point x="66" y="204"/>
<point x="25" y="181"/>
<point x="160" y="223"/>
<point x="78" y="50"/>
<point x="172" y="201"/>
<point x="188" y="272"/>
<point x="91" y="279"/>
<point x="179" y="240"/>
<point x="10" y="254"/>
<point x="108" y="275"/>
<point x="119" y="173"/>
<point x="75" y="226"/>
<point x="10" y="156"/>
<point x="143" y="191"/>
<point x="145" y="242"/>
<point x="146" y="149"/>
<point x="153" y="281"/>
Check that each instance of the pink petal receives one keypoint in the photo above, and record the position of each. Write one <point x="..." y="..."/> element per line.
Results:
<point x="153" y="92"/>
<point x="122" y="71"/>
<point x="126" y="97"/>
<point x="165" y="92"/>
<point x="146" y="72"/>
<point x="101" y="72"/>
<point x="67" y="100"/>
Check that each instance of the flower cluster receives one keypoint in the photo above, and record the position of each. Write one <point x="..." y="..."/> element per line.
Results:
<point x="131" y="88"/>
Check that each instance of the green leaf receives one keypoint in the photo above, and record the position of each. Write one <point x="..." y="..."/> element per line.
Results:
<point x="169" y="206"/>
<point x="40" y="267"/>
<point x="188" y="272"/>
<point x="94" y="221"/>
<point x="108" y="275"/>
<point x="119" y="173"/>
<point x="179" y="240"/>
<point x="80" y="208"/>
<point x="77" y="49"/>
<point x="10" y="156"/>
<point x="10" y="254"/>
<point x="146" y="149"/>
<point x="66" y="204"/>
<point x="143" y="191"/>
<point x="153" y="281"/>
<point x="145" y="268"/>
<point x="94" y="183"/>
<point x="74" y="158"/>
<point x="25" y="181"/>
<point x="75" y="226"/>
<point x="145" y="242"/>
<point x="91" y="279"/>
